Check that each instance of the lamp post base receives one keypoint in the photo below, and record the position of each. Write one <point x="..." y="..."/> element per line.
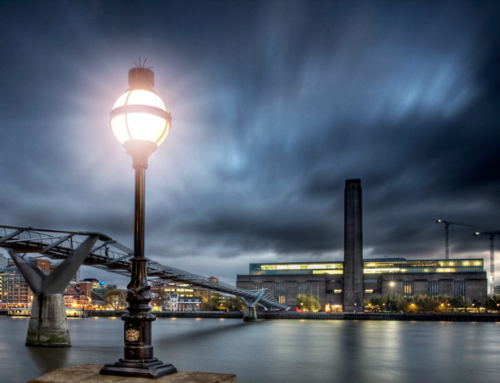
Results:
<point x="149" y="368"/>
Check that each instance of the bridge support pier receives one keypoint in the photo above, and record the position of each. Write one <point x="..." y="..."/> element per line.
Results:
<point x="48" y="325"/>
<point x="250" y="312"/>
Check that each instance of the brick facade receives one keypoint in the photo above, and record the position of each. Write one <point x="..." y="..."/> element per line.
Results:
<point x="329" y="288"/>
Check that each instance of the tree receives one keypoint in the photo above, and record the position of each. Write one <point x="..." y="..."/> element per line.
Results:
<point x="458" y="301"/>
<point x="428" y="303"/>
<point x="115" y="298"/>
<point x="213" y="303"/>
<point x="234" y="304"/>
<point x="374" y="304"/>
<point x="476" y="303"/>
<point x="159" y="298"/>
<point x="308" y="302"/>
<point x="421" y="303"/>
<point x="493" y="304"/>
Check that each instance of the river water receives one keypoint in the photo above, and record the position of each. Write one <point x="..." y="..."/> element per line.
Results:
<point x="277" y="350"/>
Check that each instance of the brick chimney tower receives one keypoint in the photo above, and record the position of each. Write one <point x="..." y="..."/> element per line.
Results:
<point x="353" y="246"/>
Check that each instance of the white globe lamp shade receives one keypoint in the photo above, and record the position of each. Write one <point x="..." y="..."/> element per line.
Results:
<point x="140" y="116"/>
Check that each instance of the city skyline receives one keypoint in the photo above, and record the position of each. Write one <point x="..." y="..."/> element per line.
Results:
<point x="274" y="106"/>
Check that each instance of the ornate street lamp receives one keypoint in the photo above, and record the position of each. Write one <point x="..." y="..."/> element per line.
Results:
<point x="140" y="121"/>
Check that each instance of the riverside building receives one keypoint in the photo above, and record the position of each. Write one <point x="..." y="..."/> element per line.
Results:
<point x="381" y="277"/>
<point x="15" y="290"/>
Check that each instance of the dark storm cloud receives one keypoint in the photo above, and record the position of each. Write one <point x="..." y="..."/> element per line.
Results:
<point x="275" y="104"/>
<point x="277" y="230"/>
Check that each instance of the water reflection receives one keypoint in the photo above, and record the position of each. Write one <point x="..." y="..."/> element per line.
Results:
<point x="48" y="361"/>
<point x="277" y="351"/>
<point x="188" y="332"/>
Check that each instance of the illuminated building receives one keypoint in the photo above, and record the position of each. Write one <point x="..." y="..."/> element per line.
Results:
<point x="172" y="303"/>
<point x="95" y="282"/>
<point x="103" y="289"/>
<point x="82" y="296"/>
<point x="1" y="278"/>
<point x="44" y="265"/>
<point x="386" y="276"/>
<point x="15" y="289"/>
<point x="3" y="264"/>
<point x="183" y="291"/>
<point x="189" y="304"/>
<point x="74" y="298"/>
<point x="176" y="303"/>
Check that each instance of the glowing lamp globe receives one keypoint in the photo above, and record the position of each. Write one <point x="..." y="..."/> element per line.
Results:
<point x="140" y="119"/>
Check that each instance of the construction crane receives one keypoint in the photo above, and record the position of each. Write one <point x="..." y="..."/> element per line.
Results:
<point x="447" y="225"/>
<point x="492" y="235"/>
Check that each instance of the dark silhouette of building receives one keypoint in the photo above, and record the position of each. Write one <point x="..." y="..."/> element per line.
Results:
<point x="353" y="246"/>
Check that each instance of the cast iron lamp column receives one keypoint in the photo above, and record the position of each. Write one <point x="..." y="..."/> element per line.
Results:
<point x="140" y="121"/>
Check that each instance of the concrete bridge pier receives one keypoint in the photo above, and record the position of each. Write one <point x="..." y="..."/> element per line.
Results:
<point x="48" y="325"/>
<point x="250" y="312"/>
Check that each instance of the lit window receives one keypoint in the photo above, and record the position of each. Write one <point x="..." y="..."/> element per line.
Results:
<point x="369" y="291"/>
<point x="338" y="291"/>
<point x="268" y="267"/>
<point x="316" y="266"/>
<point x="408" y="287"/>
<point x="381" y="270"/>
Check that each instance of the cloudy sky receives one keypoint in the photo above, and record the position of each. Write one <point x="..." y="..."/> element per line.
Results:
<point x="275" y="104"/>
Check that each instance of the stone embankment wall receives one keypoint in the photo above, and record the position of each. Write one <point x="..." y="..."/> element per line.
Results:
<point x="447" y="317"/>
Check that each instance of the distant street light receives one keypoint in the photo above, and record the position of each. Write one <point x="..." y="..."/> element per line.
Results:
<point x="392" y="285"/>
<point x="140" y="121"/>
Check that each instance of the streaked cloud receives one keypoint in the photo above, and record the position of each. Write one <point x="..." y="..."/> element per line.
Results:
<point x="274" y="105"/>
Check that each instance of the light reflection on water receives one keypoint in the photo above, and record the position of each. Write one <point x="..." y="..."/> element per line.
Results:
<point x="279" y="350"/>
